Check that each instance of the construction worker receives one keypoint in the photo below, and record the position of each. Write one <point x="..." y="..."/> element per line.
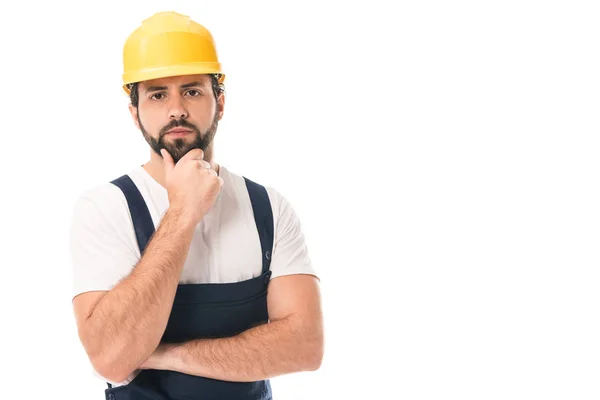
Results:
<point x="190" y="281"/>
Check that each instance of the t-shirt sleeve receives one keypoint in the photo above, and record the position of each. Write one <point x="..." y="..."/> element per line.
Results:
<point x="290" y="252"/>
<point x="101" y="247"/>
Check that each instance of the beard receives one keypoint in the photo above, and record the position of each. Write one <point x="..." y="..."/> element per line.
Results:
<point x="180" y="146"/>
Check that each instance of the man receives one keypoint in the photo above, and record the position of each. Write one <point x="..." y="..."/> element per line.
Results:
<point x="191" y="282"/>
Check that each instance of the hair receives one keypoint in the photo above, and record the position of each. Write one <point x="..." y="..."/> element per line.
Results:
<point x="217" y="88"/>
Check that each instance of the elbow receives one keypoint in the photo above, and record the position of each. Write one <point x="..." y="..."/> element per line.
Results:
<point x="315" y="361"/>
<point x="112" y="357"/>
<point x="112" y="372"/>
<point x="110" y="368"/>
<point x="315" y="355"/>
<point x="109" y="361"/>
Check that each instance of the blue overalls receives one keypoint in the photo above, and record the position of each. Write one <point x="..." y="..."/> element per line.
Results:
<point x="209" y="310"/>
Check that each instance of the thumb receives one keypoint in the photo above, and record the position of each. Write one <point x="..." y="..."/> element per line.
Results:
<point x="167" y="161"/>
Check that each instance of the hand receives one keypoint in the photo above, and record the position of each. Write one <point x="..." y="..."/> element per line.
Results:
<point x="192" y="184"/>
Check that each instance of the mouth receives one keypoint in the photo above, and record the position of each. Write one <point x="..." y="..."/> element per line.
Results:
<point x="178" y="132"/>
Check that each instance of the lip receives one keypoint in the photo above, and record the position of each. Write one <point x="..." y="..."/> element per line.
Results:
<point x="179" y="131"/>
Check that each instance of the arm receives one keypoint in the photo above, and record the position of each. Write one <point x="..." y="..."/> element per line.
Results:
<point x="291" y="342"/>
<point x="120" y="328"/>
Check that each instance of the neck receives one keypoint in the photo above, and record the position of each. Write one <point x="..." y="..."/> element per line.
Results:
<point x="156" y="169"/>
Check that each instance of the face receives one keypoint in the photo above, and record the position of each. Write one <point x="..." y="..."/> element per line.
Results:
<point x="178" y="114"/>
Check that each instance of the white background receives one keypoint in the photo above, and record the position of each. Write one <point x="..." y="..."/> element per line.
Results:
<point x="443" y="158"/>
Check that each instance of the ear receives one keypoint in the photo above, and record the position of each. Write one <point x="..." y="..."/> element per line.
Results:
<point x="133" y="111"/>
<point x="221" y="103"/>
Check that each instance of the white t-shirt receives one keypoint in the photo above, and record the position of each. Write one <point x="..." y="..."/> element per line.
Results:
<point x="225" y="246"/>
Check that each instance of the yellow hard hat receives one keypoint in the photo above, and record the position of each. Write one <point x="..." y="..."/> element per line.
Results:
<point x="169" y="44"/>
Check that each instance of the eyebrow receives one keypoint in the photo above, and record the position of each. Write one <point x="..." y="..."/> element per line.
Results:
<point x="191" y="84"/>
<point x="155" y="88"/>
<point x="158" y="88"/>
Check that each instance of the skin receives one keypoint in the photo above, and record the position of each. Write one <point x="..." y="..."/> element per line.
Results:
<point x="121" y="329"/>
<point x="187" y="97"/>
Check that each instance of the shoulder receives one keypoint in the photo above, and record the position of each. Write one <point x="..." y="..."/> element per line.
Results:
<point x="102" y="203"/>
<point x="105" y="198"/>
<point x="290" y="251"/>
<point x="286" y="221"/>
<point x="280" y="205"/>
<point x="102" y="242"/>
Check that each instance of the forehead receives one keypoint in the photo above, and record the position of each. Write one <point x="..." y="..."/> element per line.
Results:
<point x="176" y="81"/>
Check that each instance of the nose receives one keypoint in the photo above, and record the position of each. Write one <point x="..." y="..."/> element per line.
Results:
<point x="177" y="109"/>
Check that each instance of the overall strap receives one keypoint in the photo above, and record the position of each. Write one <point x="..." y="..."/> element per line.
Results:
<point x="263" y="216"/>
<point x="140" y="215"/>
<point x="144" y="227"/>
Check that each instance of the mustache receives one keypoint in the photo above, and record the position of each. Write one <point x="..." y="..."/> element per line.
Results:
<point x="178" y="123"/>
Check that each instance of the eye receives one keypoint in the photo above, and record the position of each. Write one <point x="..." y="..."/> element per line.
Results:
<point x="193" y="92"/>
<point x="157" y="96"/>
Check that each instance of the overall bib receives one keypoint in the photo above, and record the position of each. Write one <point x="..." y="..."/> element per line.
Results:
<point x="209" y="310"/>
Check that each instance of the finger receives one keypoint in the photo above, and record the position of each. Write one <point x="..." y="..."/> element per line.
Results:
<point x="194" y="154"/>
<point x="167" y="161"/>
<point x="204" y="164"/>
<point x="212" y="171"/>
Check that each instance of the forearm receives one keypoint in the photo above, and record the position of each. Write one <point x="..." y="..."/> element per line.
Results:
<point x="269" y="350"/>
<point x="127" y="323"/>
